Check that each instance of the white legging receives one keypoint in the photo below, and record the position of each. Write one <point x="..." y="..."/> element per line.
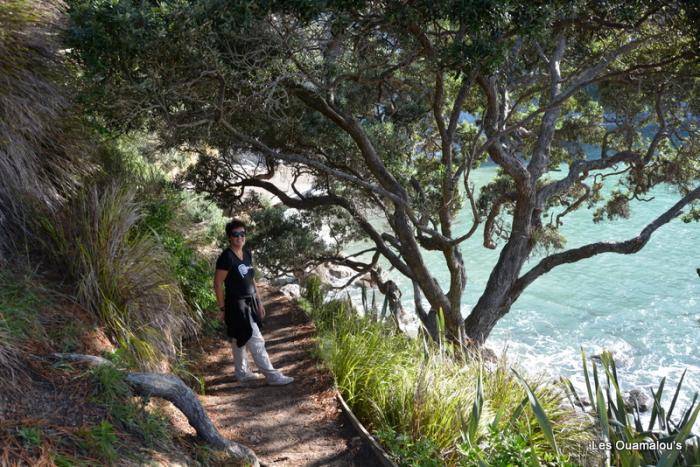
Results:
<point x="256" y="347"/>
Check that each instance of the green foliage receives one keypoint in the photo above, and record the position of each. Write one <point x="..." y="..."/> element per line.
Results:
<point x="111" y="390"/>
<point x="22" y="298"/>
<point x="31" y="436"/>
<point x="63" y="460"/>
<point x="165" y="210"/>
<point x="542" y="419"/>
<point x="122" y="277"/>
<point x="110" y="385"/>
<point x="430" y="407"/>
<point x="191" y="271"/>
<point x="315" y="294"/>
<point x="101" y="440"/>
<point x="504" y="449"/>
<point x="363" y="97"/>
<point x="665" y="441"/>
<point x="185" y="368"/>
<point x="409" y="452"/>
<point x="286" y="241"/>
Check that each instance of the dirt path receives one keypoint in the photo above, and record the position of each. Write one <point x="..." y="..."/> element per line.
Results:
<point x="296" y="425"/>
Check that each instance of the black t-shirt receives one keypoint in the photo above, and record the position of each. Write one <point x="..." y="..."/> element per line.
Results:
<point x="239" y="281"/>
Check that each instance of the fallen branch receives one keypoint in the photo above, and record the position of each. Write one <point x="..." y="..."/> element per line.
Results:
<point x="172" y="389"/>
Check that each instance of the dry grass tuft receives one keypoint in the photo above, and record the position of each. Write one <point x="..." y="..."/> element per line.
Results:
<point x="11" y="366"/>
<point x="122" y="277"/>
<point x="40" y="138"/>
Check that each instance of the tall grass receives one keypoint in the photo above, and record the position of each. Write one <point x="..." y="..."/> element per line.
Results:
<point x="22" y="298"/>
<point x="10" y="358"/>
<point x="121" y="276"/>
<point x="433" y="407"/>
<point x="40" y="139"/>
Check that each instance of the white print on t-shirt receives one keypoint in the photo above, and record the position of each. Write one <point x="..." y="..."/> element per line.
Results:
<point x="243" y="269"/>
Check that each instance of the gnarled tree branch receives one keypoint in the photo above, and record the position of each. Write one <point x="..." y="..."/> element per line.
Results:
<point x="172" y="389"/>
<point x="626" y="247"/>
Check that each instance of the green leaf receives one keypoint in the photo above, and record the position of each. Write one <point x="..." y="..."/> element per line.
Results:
<point x="602" y="414"/>
<point x="675" y="397"/>
<point x="542" y="418"/>
<point x="587" y="378"/>
<point x="518" y="411"/>
<point x="669" y="457"/>
<point x="657" y="410"/>
<point x="475" y="416"/>
<point x="611" y="374"/>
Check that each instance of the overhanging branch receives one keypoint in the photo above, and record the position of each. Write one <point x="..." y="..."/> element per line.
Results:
<point x="580" y="166"/>
<point x="312" y="202"/>
<point x="626" y="247"/>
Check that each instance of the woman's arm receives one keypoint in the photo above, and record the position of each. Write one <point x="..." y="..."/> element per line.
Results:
<point x="219" y="278"/>
<point x="261" y="307"/>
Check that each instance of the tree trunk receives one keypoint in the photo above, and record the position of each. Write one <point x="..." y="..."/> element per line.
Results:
<point x="495" y="302"/>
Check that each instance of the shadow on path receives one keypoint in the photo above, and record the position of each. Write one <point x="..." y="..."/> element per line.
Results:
<point x="296" y="425"/>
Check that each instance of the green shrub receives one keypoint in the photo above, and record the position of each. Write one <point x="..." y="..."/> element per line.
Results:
<point x="176" y="217"/>
<point x="185" y="369"/>
<point x="408" y="452"/>
<point x="164" y="209"/>
<point x="435" y="408"/>
<point x="126" y="411"/>
<point x="193" y="274"/>
<point x="110" y="385"/>
<point x="617" y="424"/>
<point x="31" y="436"/>
<point x="100" y="440"/>
<point x="122" y="276"/>
<point x="284" y="241"/>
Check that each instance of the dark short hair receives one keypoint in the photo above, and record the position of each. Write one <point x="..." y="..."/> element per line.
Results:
<point x="234" y="224"/>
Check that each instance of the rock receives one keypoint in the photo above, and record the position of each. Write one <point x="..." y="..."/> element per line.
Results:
<point x="637" y="395"/>
<point x="333" y="275"/>
<point x="584" y="402"/>
<point x="340" y="272"/>
<point x="291" y="290"/>
<point x="284" y="280"/>
<point x="488" y="355"/>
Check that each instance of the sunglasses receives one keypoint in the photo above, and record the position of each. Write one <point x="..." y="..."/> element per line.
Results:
<point x="238" y="234"/>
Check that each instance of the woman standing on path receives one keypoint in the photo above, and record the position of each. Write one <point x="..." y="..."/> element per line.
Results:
<point x="241" y="308"/>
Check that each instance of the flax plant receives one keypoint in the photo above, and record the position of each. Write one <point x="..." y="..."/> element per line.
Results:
<point x="665" y="441"/>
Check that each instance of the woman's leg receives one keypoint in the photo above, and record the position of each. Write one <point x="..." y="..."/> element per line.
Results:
<point x="256" y="346"/>
<point x="240" y="360"/>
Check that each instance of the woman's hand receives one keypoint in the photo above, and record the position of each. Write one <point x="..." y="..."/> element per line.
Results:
<point x="261" y="310"/>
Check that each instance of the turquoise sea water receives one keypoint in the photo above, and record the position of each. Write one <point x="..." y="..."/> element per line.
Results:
<point x="644" y="307"/>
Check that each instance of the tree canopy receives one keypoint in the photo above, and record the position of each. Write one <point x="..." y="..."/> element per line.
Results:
<point x="391" y="105"/>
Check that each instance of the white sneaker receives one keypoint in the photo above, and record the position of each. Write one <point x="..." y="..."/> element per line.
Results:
<point x="249" y="376"/>
<point x="280" y="380"/>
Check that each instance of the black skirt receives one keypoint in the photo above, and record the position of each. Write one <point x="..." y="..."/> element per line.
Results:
<point x="237" y="317"/>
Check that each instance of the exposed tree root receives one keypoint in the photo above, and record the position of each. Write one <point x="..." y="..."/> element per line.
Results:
<point x="172" y="389"/>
